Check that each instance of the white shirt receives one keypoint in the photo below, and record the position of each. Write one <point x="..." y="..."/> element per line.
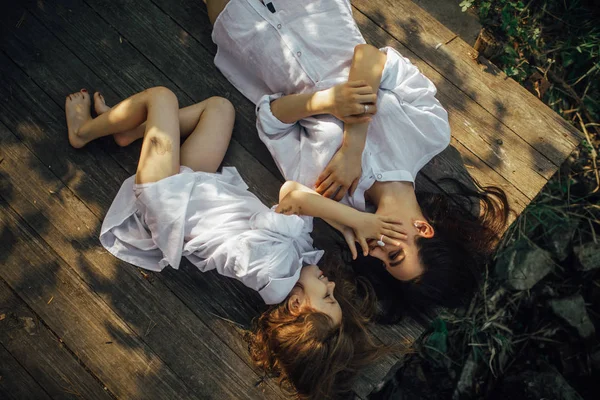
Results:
<point x="216" y="223"/>
<point x="302" y="46"/>
<point x="308" y="46"/>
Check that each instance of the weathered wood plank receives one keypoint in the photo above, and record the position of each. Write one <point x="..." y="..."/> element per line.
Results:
<point x="26" y="91"/>
<point x="197" y="353"/>
<point x="201" y="296"/>
<point x="82" y="320"/>
<point x="15" y="382"/>
<point x="256" y="174"/>
<point x="510" y="103"/>
<point x="182" y="59"/>
<point x="251" y="171"/>
<point x="105" y="74"/>
<point x="41" y="353"/>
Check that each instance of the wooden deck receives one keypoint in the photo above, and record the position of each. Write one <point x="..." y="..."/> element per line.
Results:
<point x="77" y="323"/>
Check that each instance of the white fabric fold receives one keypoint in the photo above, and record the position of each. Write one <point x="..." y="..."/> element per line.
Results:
<point x="216" y="223"/>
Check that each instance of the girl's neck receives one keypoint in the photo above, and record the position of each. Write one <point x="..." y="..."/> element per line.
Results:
<point x="394" y="198"/>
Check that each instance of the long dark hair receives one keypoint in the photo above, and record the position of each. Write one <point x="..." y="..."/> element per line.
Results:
<point x="310" y="356"/>
<point x="468" y="224"/>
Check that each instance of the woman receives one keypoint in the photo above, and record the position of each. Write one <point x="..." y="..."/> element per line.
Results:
<point x="176" y="205"/>
<point x="294" y="59"/>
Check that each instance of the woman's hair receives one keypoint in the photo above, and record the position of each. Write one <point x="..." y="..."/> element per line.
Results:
<point x="311" y="356"/>
<point x="467" y="225"/>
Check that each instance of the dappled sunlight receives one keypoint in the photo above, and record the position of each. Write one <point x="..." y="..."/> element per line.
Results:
<point x="184" y="38"/>
<point x="178" y="333"/>
<point x="28" y="127"/>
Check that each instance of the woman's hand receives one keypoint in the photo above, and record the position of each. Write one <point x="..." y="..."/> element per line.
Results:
<point x="341" y="175"/>
<point x="352" y="102"/>
<point x="377" y="227"/>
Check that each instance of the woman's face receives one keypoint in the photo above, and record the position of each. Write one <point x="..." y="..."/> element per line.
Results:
<point x="318" y="292"/>
<point x="402" y="262"/>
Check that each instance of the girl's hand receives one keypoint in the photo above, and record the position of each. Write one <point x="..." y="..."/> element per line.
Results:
<point x="373" y="226"/>
<point x="347" y="102"/>
<point x="290" y="204"/>
<point x="348" y="234"/>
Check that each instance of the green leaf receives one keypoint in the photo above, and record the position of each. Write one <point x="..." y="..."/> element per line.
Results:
<point x="466" y="4"/>
<point x="436" y="344"/>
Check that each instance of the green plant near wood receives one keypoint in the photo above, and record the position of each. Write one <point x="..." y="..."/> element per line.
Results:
<point x="551" y="46"/>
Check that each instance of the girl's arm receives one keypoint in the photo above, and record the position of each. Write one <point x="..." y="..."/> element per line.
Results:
<point x="295" y="198"/>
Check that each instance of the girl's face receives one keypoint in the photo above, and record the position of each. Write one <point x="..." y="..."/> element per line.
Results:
<point x="318" y="292"/>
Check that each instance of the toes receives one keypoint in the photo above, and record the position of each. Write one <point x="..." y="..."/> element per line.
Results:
<point x="99" y="98"/>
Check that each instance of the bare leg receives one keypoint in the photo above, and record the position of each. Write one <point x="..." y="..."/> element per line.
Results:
<point x="157" y="106"/>
<point x="205" y="148"/>
<point x="214" y="8"/>
<point x="189" y="118"/>
<point x="205" y="126"/>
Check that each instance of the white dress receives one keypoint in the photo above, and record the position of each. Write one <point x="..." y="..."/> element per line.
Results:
<point x="216" y="223"/>
<point x="307" y="46"/>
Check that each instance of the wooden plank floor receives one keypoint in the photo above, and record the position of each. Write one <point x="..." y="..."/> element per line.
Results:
<point x="76" y="322"/>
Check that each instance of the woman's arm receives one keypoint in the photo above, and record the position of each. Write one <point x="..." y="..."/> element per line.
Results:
<point x="343" y="171"/>
<point x="345" y="101"/>
<point x="367" y="65"/>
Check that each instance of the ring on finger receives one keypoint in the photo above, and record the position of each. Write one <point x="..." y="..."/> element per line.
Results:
<point x="380" y="242"/>
<point x="366" y="106"/>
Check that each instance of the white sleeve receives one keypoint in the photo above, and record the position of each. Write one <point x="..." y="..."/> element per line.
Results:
<point x="266" y="121"/>
<point x="282" y="140"/>
<point x="268" y="258"/>
<point x="416" y="93"/>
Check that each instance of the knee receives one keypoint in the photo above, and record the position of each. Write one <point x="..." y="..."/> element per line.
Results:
<point x="223" y="107"/>
<point x="287" y="188"/>
<point x="162" y="93"/>
<point x="222" y="104"/>
<point x="364" y="49"/>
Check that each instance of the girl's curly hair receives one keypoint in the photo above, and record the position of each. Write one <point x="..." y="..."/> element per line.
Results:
<point x="311" y="356"/>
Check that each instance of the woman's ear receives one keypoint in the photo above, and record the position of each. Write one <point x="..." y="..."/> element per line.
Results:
<point x="424" y="229"/>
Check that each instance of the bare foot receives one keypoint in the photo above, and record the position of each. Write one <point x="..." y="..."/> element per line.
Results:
<point x="122" y="138"/>
<point x="100" y="104"/>
<point x="77" y="107"/>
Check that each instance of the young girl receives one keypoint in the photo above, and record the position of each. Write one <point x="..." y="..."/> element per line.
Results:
<point x="178" y="206"/>
<point x="295" y="60"/>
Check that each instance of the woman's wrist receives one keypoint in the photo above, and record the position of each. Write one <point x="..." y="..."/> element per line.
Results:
<point x="321" y="102"/>
<point x="354" y="140"/>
